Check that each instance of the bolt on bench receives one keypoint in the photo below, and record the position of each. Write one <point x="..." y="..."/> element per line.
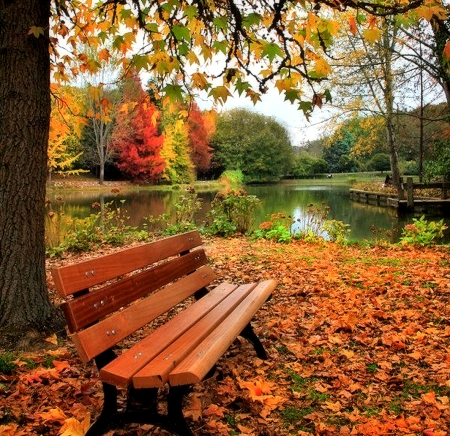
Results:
<point x="110" y="297"/>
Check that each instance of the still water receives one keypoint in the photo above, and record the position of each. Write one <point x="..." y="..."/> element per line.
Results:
<point x="290" y="197"/>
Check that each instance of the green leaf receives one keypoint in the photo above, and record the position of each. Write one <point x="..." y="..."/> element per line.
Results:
<point x="251" y="19"/>
<point x="361" y="17"/>
<point x="292" y="95"/>
<point x="174" y="92"/>
<point x="241" y="86"/>
<point x="220" y="46"/>
<point x="271" y="50"/>
<point x="125" y="13"/>
<point x="118" y="41"/>
<point x="305" y="106"/>
<point x="151" y="27"/>
<point x="221" y="23"/>
<point x="140" y="62"/>
<point x="328" y="97"/>
<point x="183" y="49"/>
<point x="181" y="33"/>
<point x="191" y="12"/>
<point x="220" y="93"/>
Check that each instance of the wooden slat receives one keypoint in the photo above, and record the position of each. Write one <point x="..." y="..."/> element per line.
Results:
<point x="73" y="278"/>
<point x="156" y="373"/>
<point x="106" y="333"/>
<point x="85" y="310"/>
<point x="121" y="370"/>
<point x="194" y="367"/>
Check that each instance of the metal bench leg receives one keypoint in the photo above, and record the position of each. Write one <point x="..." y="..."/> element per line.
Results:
<point x="249" y="334"/>
<point x="108" y="416"/>
<point x="177" y="422"/>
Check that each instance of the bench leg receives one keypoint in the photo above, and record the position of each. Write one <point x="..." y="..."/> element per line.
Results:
<point x="249" y="334"/>
<point x="108" y="415"/>
<point x="178" y="424"/>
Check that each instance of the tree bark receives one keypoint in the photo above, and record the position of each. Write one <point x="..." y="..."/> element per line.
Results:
<point x="24" y="128"/>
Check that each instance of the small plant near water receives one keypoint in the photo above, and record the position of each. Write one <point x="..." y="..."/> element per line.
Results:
<point x="108" y="225"/>
<point x="232" y="212"/>
<point x="278" y="229"/>
<point x="187" y="205"/>
<point x="338" y="231"/>
<point x="311" y="226"/>
<point x="422" y="233"/>
<point x="311" y="222"/>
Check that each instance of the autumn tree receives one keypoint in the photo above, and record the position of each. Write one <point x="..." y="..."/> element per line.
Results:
<point x="64" y="147"/>
<point x="199" y="138"/>
<point x="136" y="139"/>
<point x="96" y="69"/>
<point x="178" y="165"/>
<point x="216" y="47"/>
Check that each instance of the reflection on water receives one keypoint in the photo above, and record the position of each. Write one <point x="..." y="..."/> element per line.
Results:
<point x="292" y="198"/>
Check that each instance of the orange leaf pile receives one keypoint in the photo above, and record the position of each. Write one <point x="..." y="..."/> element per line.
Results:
<point x="358" y="344"/>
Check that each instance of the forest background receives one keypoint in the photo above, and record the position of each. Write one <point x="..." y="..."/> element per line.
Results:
<point x="389" y="114"/>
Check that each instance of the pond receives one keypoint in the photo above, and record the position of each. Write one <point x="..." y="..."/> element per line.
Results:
<point x="289" y="197"/>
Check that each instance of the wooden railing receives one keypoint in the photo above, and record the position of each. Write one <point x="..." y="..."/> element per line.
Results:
<point x="409" y="186"/>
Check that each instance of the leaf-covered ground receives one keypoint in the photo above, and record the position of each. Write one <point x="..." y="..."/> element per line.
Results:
<point x="358" y="338"/>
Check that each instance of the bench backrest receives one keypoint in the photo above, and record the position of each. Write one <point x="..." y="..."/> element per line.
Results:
<point x="107" y="299"/>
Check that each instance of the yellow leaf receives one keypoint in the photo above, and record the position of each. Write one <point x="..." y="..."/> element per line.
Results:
<point x="52" y="339"/>
<point x="199" y="81"/>
<point x="73" y="427"/>
<point x="372" y="35"/>
<point x="36" y="31"/>
<point x="54" y="415"/>
<point x="322" y="68"/>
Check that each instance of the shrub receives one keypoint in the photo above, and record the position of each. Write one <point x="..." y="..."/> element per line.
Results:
<point x="187" y="205"/>
<point x="108" y="225"/>
<point x="422" y="233"/>
<point x="232" y="212"/>
<point x="336" y="230"/>
<point x="311" y="222"/>
<point x="278" y="229"/>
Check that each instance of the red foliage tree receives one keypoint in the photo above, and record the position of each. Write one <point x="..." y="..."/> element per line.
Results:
<point x="136" y="139"/>
<point x="199" y="137"/>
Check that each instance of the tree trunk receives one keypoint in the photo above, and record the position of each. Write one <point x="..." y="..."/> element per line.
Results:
<point x="24" y="127"/>
<point x="388" y="50"/>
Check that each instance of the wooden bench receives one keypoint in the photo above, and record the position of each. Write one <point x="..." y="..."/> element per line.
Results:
<point x="108" y="298"/>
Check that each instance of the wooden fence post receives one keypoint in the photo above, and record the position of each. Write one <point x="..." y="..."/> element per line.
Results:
<point x="401" y="193"/>
<point x="410" y="192"/>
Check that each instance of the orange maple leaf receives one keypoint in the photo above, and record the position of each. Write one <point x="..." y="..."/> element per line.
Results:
<point x="257" y="389"/>
<point x="214" y="409"/>
<point x="447" y="51"/>
<point x="352" y="23"/>
<point x="429" y="397"/>
<point x="60" y="365"/>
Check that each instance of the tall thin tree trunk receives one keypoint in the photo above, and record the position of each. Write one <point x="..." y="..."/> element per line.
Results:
<point x="389" y="104"/>
<point x="24" y="127"/>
